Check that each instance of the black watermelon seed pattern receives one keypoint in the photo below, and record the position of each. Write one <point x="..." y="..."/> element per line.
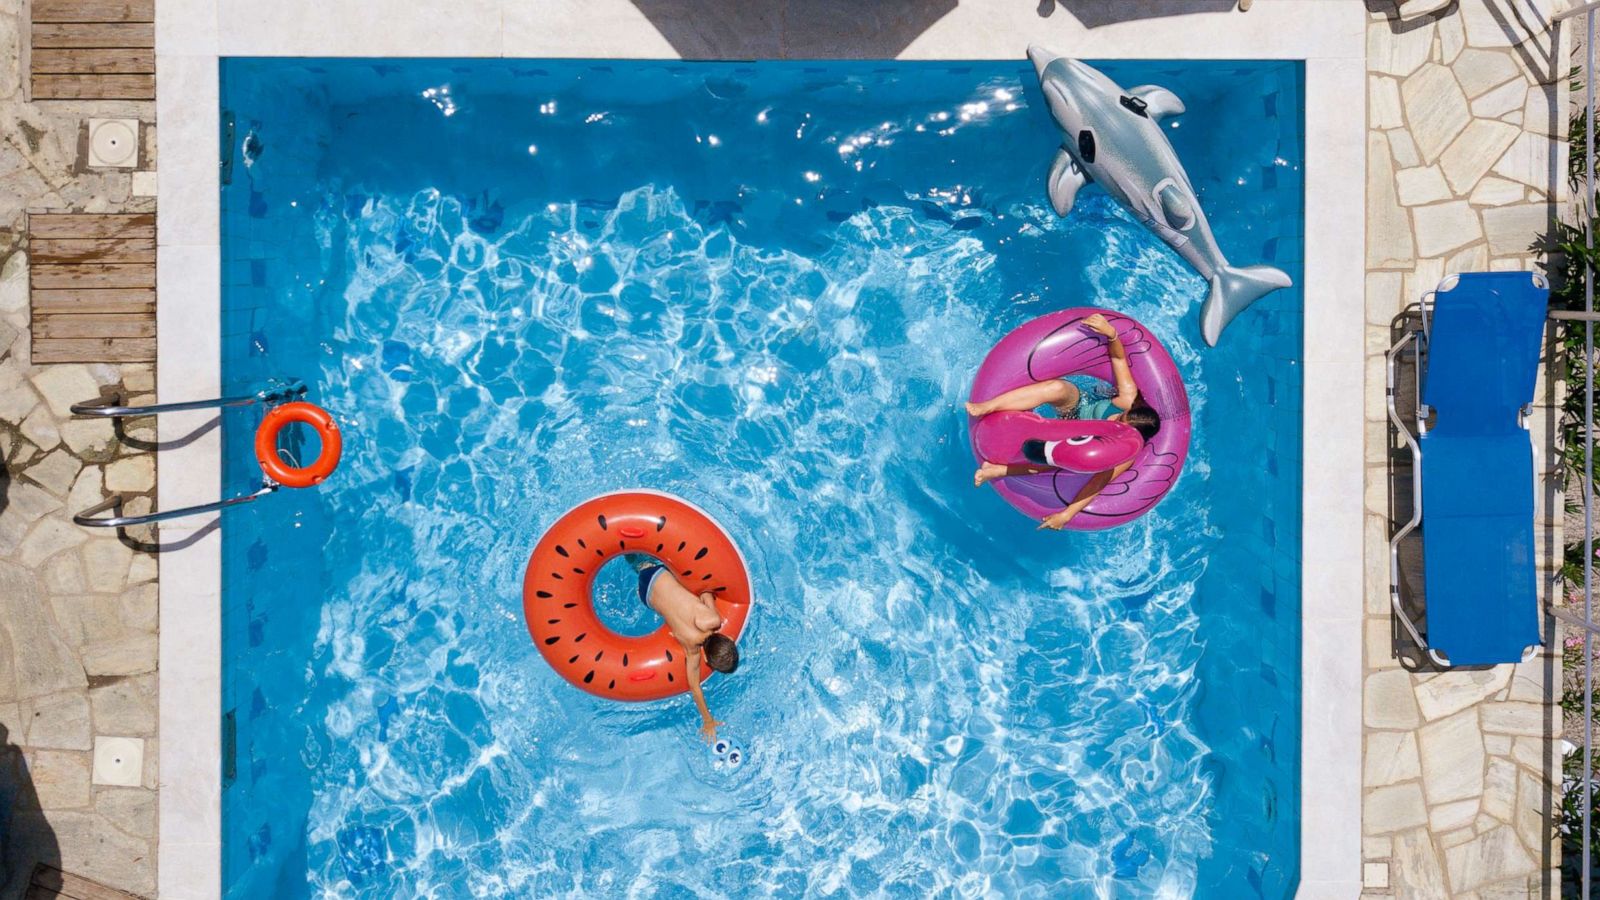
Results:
<point x="706" y="577"/>
<point x="569" y="606"/>
<point x="582" y="544"/>
<point x="573" y="659"/>
<point x="579" y="640"/>
<point x="598" y="655"/>
<point x="681" y="545"/>
<point x="669" y="656"/>
<point x="687" y="573"/>
<point x="562" y="550"/>
<point x="701" y="555"/>
<point x="589" y="677"/>
<point x="612" y="685"/>
<point x="579" y="571"/>
<point x="669" y="677"/>
<point x="659" y="547"/>
<point x="661" y="523"/>
<point x="552" y="621"/>
<point x="602" y="521"/>
<point x="552" y="639"/>
<point x="624" y="660"/>
<point x="557" y="576"/>
<point x="600" y="553"/>
<point x="542" y="594"/>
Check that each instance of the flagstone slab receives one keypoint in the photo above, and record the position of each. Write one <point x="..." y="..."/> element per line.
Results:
<point x="1492" y="191"/>
<point x="1451" y="692"/>
<point x="1389" y="240"/>
<point x="1415" y="870"/>
<point x="1403" y="149"/>
<point x="1423" y="184"/>
<point x="1452" y="758"/>
<point x="1512" y="95"/>
<point x="1515" y="718"/>
<point x="42" y="662"/>
<point x="1394" y="808"/>
<point x="1474" y="152"/>
<point x="57" y="721"/>
<point x="1494" y="856"/>
<point x="60" y="778"/>
<point x="1398" y="52"/>
<point x="1517" y="227"/>
<point x="1480" y="70"/>
<point x="1436" y="107"/>
<point x="1443" y="227"/>
<point x="1444" y="817"/>
<point x="1531" y="160"/>
<point x="1391" y="757"/>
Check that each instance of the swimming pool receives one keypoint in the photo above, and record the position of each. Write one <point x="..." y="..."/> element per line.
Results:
<point x="764" y="287"/>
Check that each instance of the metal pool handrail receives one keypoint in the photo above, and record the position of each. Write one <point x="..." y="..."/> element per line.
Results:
<point x="283" y="391"/>
<point x="92" y="518"/>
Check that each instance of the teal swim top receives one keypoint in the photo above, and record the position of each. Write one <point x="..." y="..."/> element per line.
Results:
<point x="1097" y="408"/>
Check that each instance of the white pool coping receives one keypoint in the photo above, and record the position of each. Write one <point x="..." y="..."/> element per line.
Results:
<point x="1328" y="34"/>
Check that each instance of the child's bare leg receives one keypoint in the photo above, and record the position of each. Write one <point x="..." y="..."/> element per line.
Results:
<point x="989" y="471"/>
<point x="1057" y="393"/>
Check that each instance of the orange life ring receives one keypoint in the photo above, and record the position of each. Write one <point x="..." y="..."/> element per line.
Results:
<point x="276" y="419"/>
<point x="558" y="590"/>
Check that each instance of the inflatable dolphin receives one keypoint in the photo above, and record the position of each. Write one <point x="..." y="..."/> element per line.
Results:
<point x="1114" y="138"/>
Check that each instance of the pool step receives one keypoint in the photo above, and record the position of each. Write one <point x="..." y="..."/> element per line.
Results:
<point x="93" y="50"/>
<point x="92" y="287"/>
<point x="49" y="882"/>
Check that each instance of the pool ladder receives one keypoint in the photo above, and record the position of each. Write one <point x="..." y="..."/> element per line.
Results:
<point x="275" y="393"/>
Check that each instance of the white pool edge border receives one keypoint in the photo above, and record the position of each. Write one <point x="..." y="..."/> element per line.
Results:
<point x="191" y="35"/>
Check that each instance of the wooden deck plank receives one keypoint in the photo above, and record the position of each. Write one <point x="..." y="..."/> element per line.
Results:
<point x="93" y="350"/>
<point x="92" y="275"/>
<point x="75" y="250"/>
<point x="94" y="325"/>
<point x="86" y="61"/>
<point x="94" y="87"/>
<point x="94" y="10"/>
<point x="92" y="225"/>
<point x="63" y="35"/>
<point x="104" y="300"/>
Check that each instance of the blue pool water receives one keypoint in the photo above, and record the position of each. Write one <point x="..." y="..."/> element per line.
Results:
<point x="764" y="287"/>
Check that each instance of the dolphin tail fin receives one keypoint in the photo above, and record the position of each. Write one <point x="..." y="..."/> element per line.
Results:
<point x="1232" y="292"/>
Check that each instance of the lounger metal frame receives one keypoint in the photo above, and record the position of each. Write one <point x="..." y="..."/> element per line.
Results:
<point x="1417" y="340"/>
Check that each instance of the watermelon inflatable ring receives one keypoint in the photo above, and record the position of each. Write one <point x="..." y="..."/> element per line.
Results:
<point x="558" y="590"/>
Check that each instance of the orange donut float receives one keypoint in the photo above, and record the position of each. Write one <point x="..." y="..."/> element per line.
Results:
<point x="278" y="418"/>
<point x="558" y="590"/>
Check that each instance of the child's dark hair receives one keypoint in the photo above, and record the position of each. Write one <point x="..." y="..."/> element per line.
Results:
<point x="721" y="654"/>
<point x="1144" y="419"/>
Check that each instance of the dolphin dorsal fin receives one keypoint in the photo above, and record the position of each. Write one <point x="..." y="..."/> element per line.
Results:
<point x="1159" y="102"/>
<point x="1065" y="179"/>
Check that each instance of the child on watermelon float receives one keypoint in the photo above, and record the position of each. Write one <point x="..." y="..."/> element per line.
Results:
<point x="1067" y="400"/>
<point x="694" y="620"/>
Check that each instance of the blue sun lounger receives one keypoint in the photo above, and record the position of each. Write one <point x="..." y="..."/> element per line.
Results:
<point x="1472" y="477"/>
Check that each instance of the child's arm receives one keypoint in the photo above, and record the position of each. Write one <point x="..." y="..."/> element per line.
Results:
<point x="691" y="663"/>
<point x="1127" y="391"/>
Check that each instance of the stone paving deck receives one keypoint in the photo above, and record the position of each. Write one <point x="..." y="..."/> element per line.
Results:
<point x="78" y="618"/>
<point x="1467" y="113"/>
